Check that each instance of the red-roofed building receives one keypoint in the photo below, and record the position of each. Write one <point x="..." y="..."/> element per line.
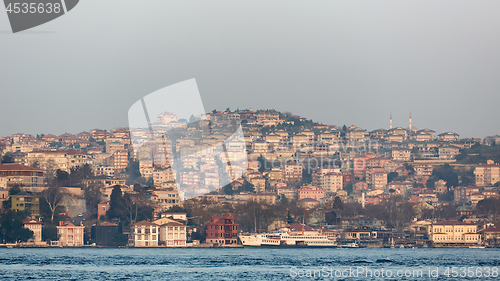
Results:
<point x="222" y="231"/>
<point x="311" y="192"/>
<point x="490" y="233"/>
<point x="21" y="175"/>
<point x="70" y="235"/>
<point x="453" y="232"/>
<point x="34" y="225"/>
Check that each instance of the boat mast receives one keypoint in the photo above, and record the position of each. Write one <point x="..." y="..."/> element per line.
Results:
<point x="255" y="223"/>
<point x="303" y="222"/>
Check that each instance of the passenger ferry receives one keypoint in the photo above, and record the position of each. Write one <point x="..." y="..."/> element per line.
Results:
<point x="285" y="238"/>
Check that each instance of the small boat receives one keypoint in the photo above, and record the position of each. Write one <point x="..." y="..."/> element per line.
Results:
<point x="479" y="245"/>
<point x="350" y="245"/>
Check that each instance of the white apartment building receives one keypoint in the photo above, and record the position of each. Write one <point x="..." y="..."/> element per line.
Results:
<point x="453" y="232"/>
<point x="146" y="234"/>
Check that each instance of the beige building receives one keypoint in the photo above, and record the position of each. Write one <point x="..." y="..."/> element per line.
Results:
<point x="166" y="197"/>
<point x="487" y="174"/>
<point x="162" y="176"/>
<point x="453" y="232"/>
<point x="448" y="136"/>
<point x="59" y="159"/>
<point x="172" y="232"/>
<point x="119" y="160"/>
<point x="259" y="184"/>
<point x="331" y="182"/>
<point x="35" y="226"/>
<point x="379" y="181"/>
<point x="146" y="234"/>
<point x="264" y="197"/>
<point x="70" y="235"/>
<point x="288" y="192"/>
<point x="401" y="154"/>
<point x="292" y="172"/>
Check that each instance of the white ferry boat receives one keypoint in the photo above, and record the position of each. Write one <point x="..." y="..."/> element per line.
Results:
<point x="285" y="238"/>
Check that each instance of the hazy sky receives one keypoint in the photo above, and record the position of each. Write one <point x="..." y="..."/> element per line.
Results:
<point x="336" y="62"/>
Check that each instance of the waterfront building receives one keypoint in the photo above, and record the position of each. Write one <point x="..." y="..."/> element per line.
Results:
<point x="222" y="231"/>
<point x="453" y="232"/>
<point x="34" y="225"/>
<point x="146" y="234"/>
<point x="70" y="235"/>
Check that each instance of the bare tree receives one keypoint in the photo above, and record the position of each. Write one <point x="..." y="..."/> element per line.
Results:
<point x="54" y="196"/>
<point x="92" y="193"/>
<point x="50" y="172"/>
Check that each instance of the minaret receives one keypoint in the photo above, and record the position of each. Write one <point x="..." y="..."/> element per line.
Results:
<point x="390" y="123"/>
<point x="410" y="121"/>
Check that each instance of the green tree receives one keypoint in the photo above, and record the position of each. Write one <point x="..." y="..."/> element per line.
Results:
<point x="7" y="158"/>
<point x="446" y="173"/>
<point x="490" y="207"/>
<point x="133" y="170"/>
<point x="120" y="239"/>
<point x="12" y="227"/>
<point x="262" y="163"/>
<point x="392" y="176"/>
<point x="176" y="209"/>
<point x="337" y="203"/>
<point x="49" y="233"/>
<point x="349" y="188"/>
<point x="7" y="204"/>
<point x="117" y="205"/>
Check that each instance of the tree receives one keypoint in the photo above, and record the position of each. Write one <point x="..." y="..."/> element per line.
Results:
<point x="133" y="171"/>
<point x="349" y="188"/>
<point x="120" y="239"/>
<point x="7" y="158"/>
<point x="262" y="163"/>
<point x="176" y="209"/>
<point x="49" y="233"/>
<point x="254" y="215"/>
<point x="490" y="207"/>
<point x="7" y="204"/>
<point x="92" y="194"/>
<point x="392" y="176"/>
<point x="50" y="172"/>
<point x="446" y="173"/>
<point x="12" y="227"/>
<point x="79" y="174"/>
<point x="117" y="205"/>
<point x="54" y="196"/>
<point x="337" y="204"/>
<point x="410" y="169"/>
